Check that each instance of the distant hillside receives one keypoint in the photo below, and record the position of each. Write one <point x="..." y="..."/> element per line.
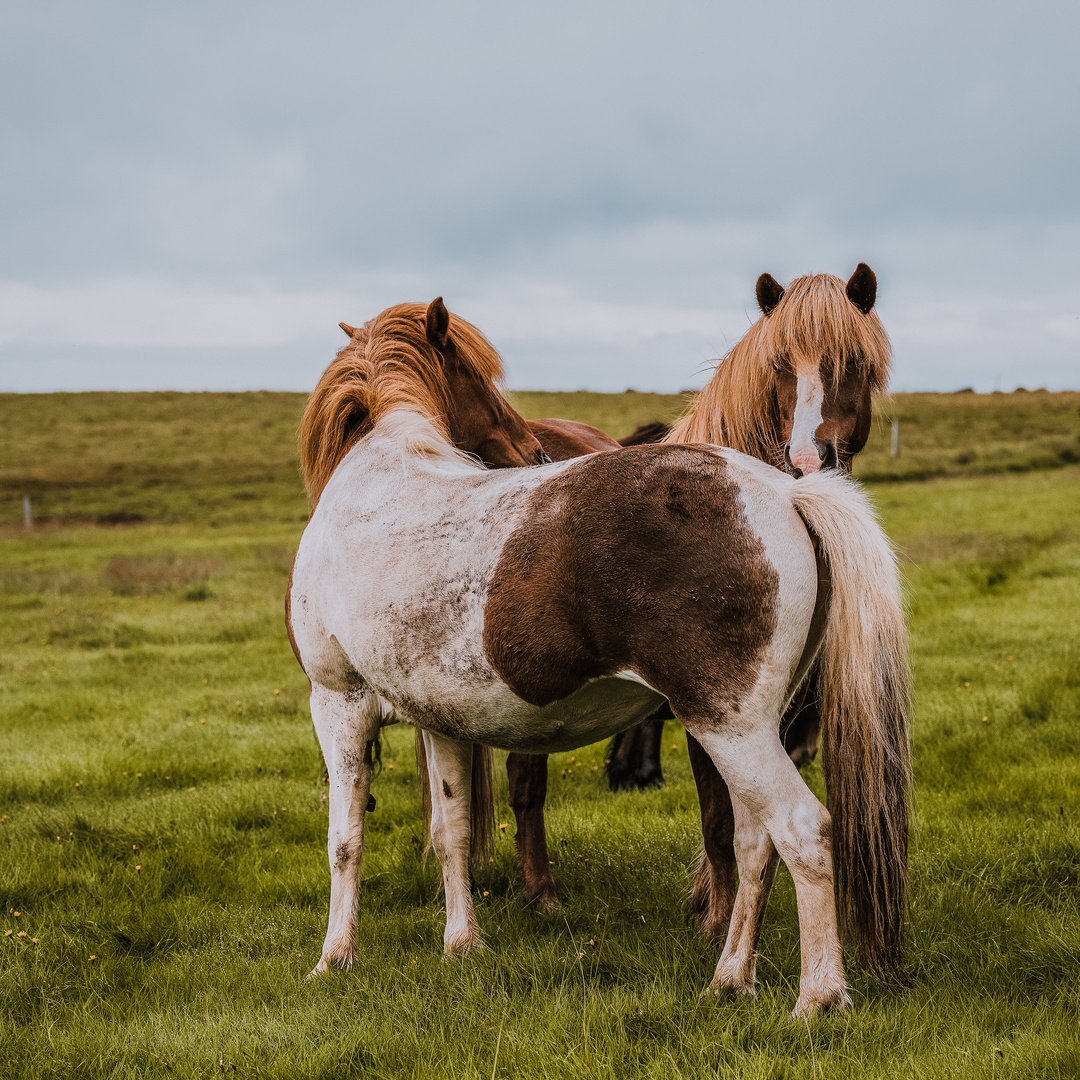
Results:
<point x="220" y="458"/>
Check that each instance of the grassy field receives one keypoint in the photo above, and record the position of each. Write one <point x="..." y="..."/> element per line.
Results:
<point x="162" y="826"/>
<point x="219" y="459"/>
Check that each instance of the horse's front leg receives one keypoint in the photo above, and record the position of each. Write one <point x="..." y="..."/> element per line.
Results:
<point x="450" y="783"/>
<point x="527" y="775"/>
<point x="346" y="724"/>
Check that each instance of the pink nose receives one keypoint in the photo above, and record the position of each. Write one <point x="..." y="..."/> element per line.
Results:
<point x="807" y="462"/>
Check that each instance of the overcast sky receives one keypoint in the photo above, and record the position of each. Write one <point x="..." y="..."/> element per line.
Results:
<point x="193" y="195"/>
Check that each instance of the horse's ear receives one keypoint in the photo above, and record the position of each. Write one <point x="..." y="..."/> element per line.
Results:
<point x="862" y="288"/>
<point x="769" y="291"/>
<point x="438" y="323"/>
<point x="350" y="330"/>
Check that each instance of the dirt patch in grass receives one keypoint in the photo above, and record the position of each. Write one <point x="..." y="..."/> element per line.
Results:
<point x="140" y="575"/>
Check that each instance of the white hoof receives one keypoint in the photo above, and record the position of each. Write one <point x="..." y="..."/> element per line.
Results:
<point x="811" y="1005"/>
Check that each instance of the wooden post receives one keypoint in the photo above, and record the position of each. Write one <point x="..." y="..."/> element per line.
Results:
<point x="894" y="450"/>
<point x="26" y="511"/>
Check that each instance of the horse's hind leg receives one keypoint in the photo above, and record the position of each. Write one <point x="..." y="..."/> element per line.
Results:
<point x="757" y="859"/>
<point x="802" y="722"/>
<point x="450" y="783"/>
<point x="346" y="724"/>
<point x="763" y="778"/>
<point x="633" y="756"/>
<point x="713" y="894"/>
<point x="649" y="772"/>
<point x="527" y="775"/>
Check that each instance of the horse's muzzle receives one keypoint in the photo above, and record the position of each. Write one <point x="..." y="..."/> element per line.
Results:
<point x="827" y="459"/>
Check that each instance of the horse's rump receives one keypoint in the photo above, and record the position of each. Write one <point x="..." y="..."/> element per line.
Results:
<point x="641" y="560"/>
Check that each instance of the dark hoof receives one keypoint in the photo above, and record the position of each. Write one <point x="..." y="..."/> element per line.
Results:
<point x="652" y="779"/>
<point x="545" y="899"/>
<point x="632" y="780"/>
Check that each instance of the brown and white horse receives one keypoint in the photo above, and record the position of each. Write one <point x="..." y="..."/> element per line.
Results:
<point x="542" y="609"/>
<point x="796" y="392"/>
<point x="384" y="361"/>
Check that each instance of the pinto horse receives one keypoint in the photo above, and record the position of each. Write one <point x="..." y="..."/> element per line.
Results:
<point x="541" y="609"/>
<point x="796" y="392"/>
<point x="381" y="365"/>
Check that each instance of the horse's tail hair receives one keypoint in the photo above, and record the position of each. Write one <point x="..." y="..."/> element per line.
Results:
<point x="865" y="692"/>
<point x="481" y="803"/>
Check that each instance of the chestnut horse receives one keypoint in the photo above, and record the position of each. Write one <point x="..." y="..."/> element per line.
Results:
<point x="796" y="392"/>
<point x="541" y="609"/>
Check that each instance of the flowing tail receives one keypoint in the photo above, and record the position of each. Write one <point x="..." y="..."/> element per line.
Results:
<point x="865" y="692"/>
<point x="481" y="803"/>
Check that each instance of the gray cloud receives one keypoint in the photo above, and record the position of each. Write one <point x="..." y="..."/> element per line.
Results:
<point x="546" y="166"/>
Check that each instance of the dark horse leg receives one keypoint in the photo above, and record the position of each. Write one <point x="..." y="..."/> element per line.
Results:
<point x="633" y="756"/>
<point x="527" y="774"/>
<point x="713" y="894"/>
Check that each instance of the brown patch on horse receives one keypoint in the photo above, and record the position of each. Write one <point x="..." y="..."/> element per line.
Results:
<point x="396" y="361"/>
<point x="640" y="559"/>
<point x="446" y="790"/>
<point x="814" y="321"/>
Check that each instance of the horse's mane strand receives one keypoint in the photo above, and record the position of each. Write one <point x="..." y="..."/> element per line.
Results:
<point x="388" y="364"/>
<point x="813" y="320"/>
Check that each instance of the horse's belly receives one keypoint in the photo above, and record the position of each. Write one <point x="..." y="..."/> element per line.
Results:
<point x="598" y="710"/>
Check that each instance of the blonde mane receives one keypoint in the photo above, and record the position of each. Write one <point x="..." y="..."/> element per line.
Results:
<point x="814" y="321"/>
<point x="388" y="364"/>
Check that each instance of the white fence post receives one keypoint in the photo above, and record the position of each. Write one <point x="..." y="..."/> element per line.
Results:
<point x="26" y="511"/>
<point x="894" y="450"/>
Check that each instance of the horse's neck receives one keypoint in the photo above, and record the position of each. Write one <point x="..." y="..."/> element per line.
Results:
<point x="404" y="463"/>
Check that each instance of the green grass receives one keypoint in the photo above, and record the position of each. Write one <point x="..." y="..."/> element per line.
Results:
<point x="219" y="459"/>
<point x="967" y="434"/>
<point x="119" y="641"/>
